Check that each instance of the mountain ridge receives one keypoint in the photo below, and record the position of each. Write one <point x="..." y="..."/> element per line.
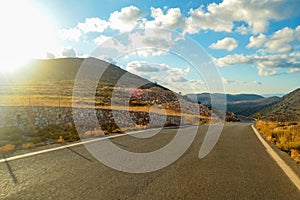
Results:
<point x="241" y="104"/>
<point x="286" y="109"/>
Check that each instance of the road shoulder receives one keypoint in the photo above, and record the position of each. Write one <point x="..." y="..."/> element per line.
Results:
<point x="289" y="166"/>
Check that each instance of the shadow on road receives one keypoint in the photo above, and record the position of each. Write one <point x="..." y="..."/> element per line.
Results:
<point x="10" y="170"/>
<point x="79" y="154"/>
<point x="117" y="143"/>
<point x="179" y="127"/>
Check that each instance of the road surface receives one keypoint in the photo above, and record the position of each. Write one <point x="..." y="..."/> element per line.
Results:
<point x="237" y="168"/>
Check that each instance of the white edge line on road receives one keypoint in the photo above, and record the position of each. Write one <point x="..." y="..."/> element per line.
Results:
<point x="287" y="169"/>
<point x="71" y="145"/>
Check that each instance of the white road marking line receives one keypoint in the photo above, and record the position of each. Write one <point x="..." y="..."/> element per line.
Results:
<point x="70" y="145"/>
<point x="287" y="169"/>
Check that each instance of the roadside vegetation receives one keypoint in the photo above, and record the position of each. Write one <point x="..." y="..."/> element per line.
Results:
<point x="16" y="139"/>
<point x="60" y="94"/>
<point x="285" y="135"/>
<point x="12" y="139"/>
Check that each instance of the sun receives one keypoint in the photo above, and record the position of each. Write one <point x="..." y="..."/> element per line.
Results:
<point x="26" y="32"/>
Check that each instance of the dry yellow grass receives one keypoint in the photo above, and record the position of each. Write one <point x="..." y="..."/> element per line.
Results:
<point x="286" y="136"/>
<point x="295" y="154"/>
<point x="66" y="101"/>
<point x="59" y="94"/>
<point x="28" y="145"/>
<point x="94" y="133"/>
<point x="7" y="148"/>
<point x="196" y="120"/>
<point x="60" y="139"/>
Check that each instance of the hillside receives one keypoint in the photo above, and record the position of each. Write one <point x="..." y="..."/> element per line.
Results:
<point x="286" y="109"/>
<point x="250" y="107"/>
<point x="241" y="104"/>
<point x="64" y="69"/>
<point x="50" y="83"/>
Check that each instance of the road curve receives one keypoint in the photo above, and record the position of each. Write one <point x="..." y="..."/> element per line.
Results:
<point x="237" y="168"/>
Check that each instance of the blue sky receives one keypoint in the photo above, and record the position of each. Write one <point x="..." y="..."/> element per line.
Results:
<point x="255" y="46"/>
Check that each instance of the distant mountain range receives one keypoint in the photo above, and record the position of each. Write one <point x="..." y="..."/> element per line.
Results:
<point x="240" y="104"/>
<point x="205" y="98"/>
<point x="286" y="108"/>
<point x="273" y="95"/>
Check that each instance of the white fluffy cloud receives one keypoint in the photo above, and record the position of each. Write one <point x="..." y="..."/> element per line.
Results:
<point x="126" y="19"/>
<point x="141" y="67"/>
<point x="101" y="39"/>
<point x="257" y="13"/>
<point x="294" y="70"/>
<point x="142" y="43"/>
<point x="201" y="20"/>
<point x="226" y="81"/>
<point x="157" y="41"/>
<point x="158" y="38"/>
<point x="297" y="32"/>
<point x="158" y="71"/>
<point x="173" y="19"/>
<point x="233" y="60"/>
<point x="267" y="65"/>
<point x="227" y="43"/>
<point x="90" y="25"/>
<point x="72" y="34"/>
<point x="257" y="41"/>
<point x="109" y="48"/>
<point x="154" y="42"/>
<point x="221" y="17"/>
<point x="93" y="25"/>
<point x="243" y="30"/>
<point x="173" y="78"/>
<point x="69" y="52"/>
<point x="263" y="69"/>
<point x="218" y="17"/>
<point x="281" y="41"/>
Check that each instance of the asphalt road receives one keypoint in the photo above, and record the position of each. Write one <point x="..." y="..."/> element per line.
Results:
<point x="237" y="168"/>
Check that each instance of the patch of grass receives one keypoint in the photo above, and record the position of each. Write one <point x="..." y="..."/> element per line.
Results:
<point x="204" y="121"/>
<point x="191" y="120"/>
<point x="295" y="154"/>
<point x="60" y="139"/>
<point x="38" y="137"/>
<point x="28" y="145"/>
<point x="286" y="136"/>
<point x="7" y="148"/>
<point x="94" y="133"/>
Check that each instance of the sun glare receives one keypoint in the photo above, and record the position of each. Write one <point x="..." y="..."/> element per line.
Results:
<point x="26" y="32"/>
